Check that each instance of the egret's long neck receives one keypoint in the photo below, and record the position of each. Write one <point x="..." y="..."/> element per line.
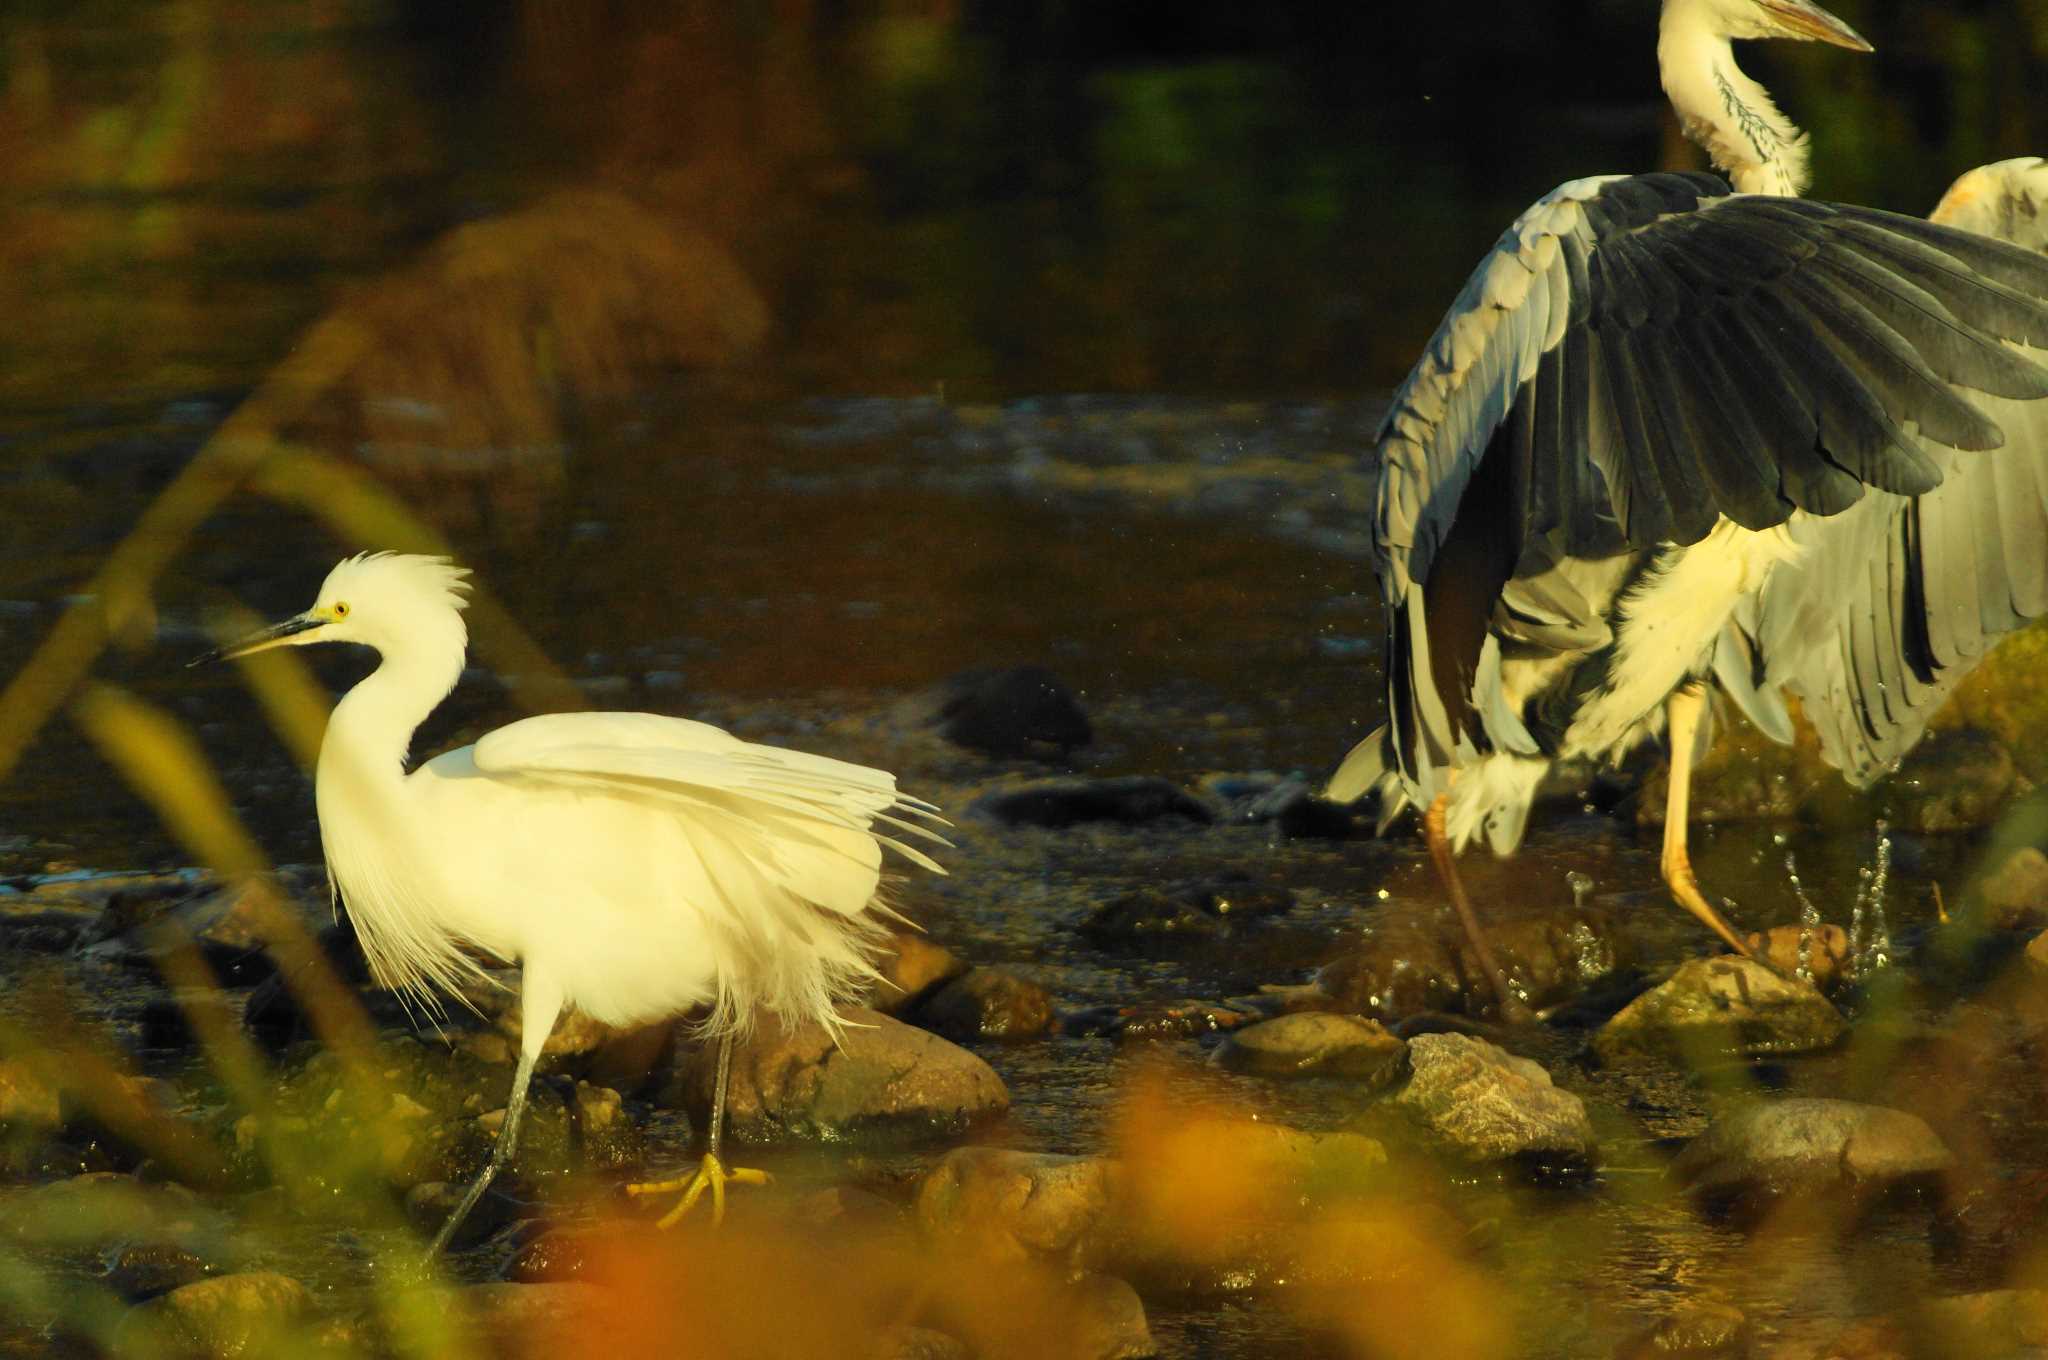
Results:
<point x="1725" y="111"/>
<point x="371" y="730"/>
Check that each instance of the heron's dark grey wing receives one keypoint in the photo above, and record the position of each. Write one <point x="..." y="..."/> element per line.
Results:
<point x="1890" y="606"/>
<point x="1641" y="357"/>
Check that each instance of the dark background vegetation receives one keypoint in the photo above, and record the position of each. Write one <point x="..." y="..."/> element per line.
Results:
<point x="1205" y="196"/>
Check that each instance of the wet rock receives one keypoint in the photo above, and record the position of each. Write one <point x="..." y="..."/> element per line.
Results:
<point x="103" y="1209"/>
<point x="554" y="1255"/>
<point x="1417" y="961"/>
<point x="1712" y="1009"/>
<point x="1823" y="950"/>
<point x="1994" y="1324"/>
<point x="1156" y="1020"/>
<point x="1133" y="800"/>
<point x="177" y="1022"/>
<point x="1956" y="780"/>
<point x="496" y="999"/>
<point x="1487" y="1105"/>
<point x="912" y="968"/>
<point x="988" y="1003"/>
<point x="917" y="1343"/>
<point x="1292" y="805"/>
<point x="1018" y="711"/>
<point x="1797" y="1145"/>
<point x="1699" y="1330"/>
<point x="1316" y="1044"/>
<point x="144" y="1270"/>
<point x="28" y="1105"/>
<point x="1107" y="1322"/>
<point x="2037" y="954"/>
<point x="883" y="1081"/>
<point x="1197" y="909"/>
<point x="2014" y="896"/>
<point x="251" y="1314"/>
<point x="1011" y="1205"/>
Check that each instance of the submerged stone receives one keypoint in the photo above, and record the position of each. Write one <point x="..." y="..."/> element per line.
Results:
<point x="1017" y="711"/>
<point x="1712" y="1009"/>
<point x="1785" y="1146"/>
<point x="1157" y="1020"/>
<point x="1007" y="1204"/>
<point x="1418" y="961"/>
<point x="1316" y="1044"/>
<point x="1699" y="1330"/>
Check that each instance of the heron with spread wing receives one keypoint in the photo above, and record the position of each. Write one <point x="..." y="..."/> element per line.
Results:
<point x="1673" y="436"/>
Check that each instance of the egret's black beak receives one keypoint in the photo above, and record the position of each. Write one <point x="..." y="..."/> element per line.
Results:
<point x="277" y="635"/>
<point x="1808" y="22"/>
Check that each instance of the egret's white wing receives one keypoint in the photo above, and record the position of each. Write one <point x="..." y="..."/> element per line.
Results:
<point x="1641" y="357"/>
<point x="806" y="821"/>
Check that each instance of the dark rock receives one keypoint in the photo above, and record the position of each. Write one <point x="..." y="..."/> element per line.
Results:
<point x="1953" y="781"/>
<point x="1148" y="912"/>
<point x="1997" y="1221"/>
<point x="1693" y="1331"/>
<point x="1153" y="1020"/>
<point x="1486" y="1105"/>
<point x="1291" y="804"/>
<point x="555" y="1255"/>
<point x="1713" y="1009"/>
<point x="1800" y="1145"/>
<point x="988" y="1003"/>
<point x="177" y="1022"/>
<point x="912" y="968"/>
<point x="1010" y="1205"/>
<point x="144" y="1270"/>
<point x="251" y="1314"/>
<point x="2014" y="896"/>
<point x="1316" y="1044"/>
<point x="883" y="1081"/>
<point x="1196" y="909"/>
<point x="1132" y="800"/>
<point x="1021" y="711"/>
<point x="1823" y="950"/>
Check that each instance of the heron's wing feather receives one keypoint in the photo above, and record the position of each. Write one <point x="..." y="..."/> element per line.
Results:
<point x="1889" y="607"/>
<point x="1640" y="357"/>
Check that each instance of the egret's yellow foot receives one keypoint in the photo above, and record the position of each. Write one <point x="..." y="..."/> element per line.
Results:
<point x="712" y="1176"/>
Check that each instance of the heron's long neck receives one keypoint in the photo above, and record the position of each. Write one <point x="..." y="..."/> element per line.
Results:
<point x="1725" y="111"/>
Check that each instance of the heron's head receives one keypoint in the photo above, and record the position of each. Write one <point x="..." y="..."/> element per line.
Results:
<point x="1799" y="20"/>
<point x="381" y="600"/>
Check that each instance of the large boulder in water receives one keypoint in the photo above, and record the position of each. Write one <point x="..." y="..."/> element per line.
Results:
<point x="878" y="1080"/>
<point x="1718" y="1008"/>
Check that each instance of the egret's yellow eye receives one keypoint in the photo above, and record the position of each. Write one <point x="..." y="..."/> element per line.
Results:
<point x="340" y="609"/>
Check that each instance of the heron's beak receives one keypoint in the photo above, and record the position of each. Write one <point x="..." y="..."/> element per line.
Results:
<point x="1810" y="23"/>
<point x="277" y="635"/>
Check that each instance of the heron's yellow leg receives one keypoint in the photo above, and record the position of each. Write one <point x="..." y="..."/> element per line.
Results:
<point x="1682" y="713"/>
<point x="711" y="1174"/>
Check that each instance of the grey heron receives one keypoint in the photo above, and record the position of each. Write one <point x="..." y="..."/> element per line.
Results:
<point x="1673" y="436"/>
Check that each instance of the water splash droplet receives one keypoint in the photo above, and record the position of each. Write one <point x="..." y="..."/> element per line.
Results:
<point x="1581" y="886"/>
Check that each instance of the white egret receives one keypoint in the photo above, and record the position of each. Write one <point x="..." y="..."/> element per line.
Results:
<point x="634" y="866"/>
<point x="1670" y="437"/>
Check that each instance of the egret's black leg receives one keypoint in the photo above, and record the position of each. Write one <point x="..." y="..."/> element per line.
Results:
<point x="508" y="1142"/>
<point x="711" y="1174"/>
<point x="1682" y="724"/>
<point x="1511" y="1008"/>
